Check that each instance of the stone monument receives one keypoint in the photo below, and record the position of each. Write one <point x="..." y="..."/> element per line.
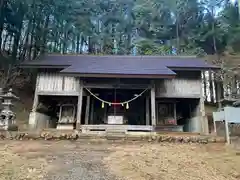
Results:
<point x="7" y="116"/>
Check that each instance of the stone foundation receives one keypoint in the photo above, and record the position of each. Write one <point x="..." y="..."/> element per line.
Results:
<point x="74" y="135"/>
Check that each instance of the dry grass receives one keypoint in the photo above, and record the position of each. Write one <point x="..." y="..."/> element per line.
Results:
<point x="174" y="162"/>
<point x="15" y="163"/>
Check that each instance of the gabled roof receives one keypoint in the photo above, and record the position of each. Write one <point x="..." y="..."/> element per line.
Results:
<point x="125" y="65"/>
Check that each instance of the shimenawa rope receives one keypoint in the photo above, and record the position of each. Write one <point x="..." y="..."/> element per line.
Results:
<point x="115" y="103"/>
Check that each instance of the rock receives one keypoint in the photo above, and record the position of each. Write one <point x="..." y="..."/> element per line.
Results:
<point x="13" y="127"/>
<point x="2" y="136"/>
<point x="42" y="135"/>
<point x="75" y="136"/>
<point x="179" y="139"/>
<point x="186" y="140"/>
<point x="193" y="140"/>
<point x="203" y="140"/>
<point x="154" y="138"/>
<point x="159" y="138"/>
<point x="165" y="139"/>
<point x="212" y="140"/>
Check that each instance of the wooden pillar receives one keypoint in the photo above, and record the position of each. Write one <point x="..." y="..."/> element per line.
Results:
<point x="87" y="110"/>
<point x="153" y="105"/>
<point x="79" y="106"/>
<point x="175" y="111"/>
<point x="227" y="135"/>
<point x="147" y="111"/>
<point x="35" y="101"/>
<point x="218" y="94"/>
<point x="105" y="120"/>
<point x="92" y="112"/>
<point x="203" y="118"/>
<point x="36" y="96"/>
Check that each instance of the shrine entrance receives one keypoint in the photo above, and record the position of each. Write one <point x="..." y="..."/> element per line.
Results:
<point x="117" y="110"/>
<point x="114" y="106"/>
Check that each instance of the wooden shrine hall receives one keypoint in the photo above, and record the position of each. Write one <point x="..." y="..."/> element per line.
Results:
<point x="134" y="93"/>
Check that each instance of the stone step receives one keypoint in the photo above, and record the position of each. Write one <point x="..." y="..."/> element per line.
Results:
<point x="115" y="130"/>
<point x="115" y="136"/>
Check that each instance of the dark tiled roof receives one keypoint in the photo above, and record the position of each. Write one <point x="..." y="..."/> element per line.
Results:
<point x="148" y="65"/>
<point x="123" y="67"/>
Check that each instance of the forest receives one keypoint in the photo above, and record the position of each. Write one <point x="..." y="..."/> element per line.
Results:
<point x="205" y="28"/>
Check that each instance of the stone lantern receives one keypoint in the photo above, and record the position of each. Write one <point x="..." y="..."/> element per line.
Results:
<point x="7" y="116"/>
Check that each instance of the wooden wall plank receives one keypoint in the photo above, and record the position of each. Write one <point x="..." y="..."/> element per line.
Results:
<point x="57" y="83"/>
<point x="178" y="88"/>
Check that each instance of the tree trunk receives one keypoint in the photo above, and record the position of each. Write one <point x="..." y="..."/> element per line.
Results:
<point x="55" y="48"/>
<point x="26" y="43"/>
<point x="30" y="46"/>
<point x="177" y="34"/>
<point x="81" y="45"/>
<point x="2" y="2"/>
<point x="5" y="42"/>
<point x="44" y="35"/>
<point x="18" y="32"/>
<point x="129" y="43"/>
<point x="36" y="40"/>
<point x="78" y="43"/>
<point x="213" y="30"/>
<point x="64" y="44"/>
<point x="234" y="86"/>
<point x="73" y="48"/>
<point x="90" y="47"/>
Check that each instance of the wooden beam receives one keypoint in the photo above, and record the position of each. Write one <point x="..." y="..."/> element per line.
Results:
<point x="147" y="111"/>
<point x="153" y="105"/>
<point x="87" y="110"/>
<point x="60" y="93"/>
<point x="193" y="96"/>
<point x="104" y="127"/>
<point x="79" y="106"/>
<point x="119" y="86"/>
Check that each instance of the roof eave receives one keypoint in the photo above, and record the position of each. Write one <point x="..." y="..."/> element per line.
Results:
<point x="194" y="68"/>
<point x="108" y="75"/>
<point x="31" y="66"/>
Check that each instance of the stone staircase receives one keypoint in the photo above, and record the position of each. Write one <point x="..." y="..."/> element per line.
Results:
<point x="114" y="133"/>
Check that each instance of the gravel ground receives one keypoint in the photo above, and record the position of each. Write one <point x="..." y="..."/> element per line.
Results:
<point x="80" y="161"/>
<point x="65" y="160"/>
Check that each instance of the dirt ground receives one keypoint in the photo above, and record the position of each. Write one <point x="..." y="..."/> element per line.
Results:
<point x="63" y="160"/>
